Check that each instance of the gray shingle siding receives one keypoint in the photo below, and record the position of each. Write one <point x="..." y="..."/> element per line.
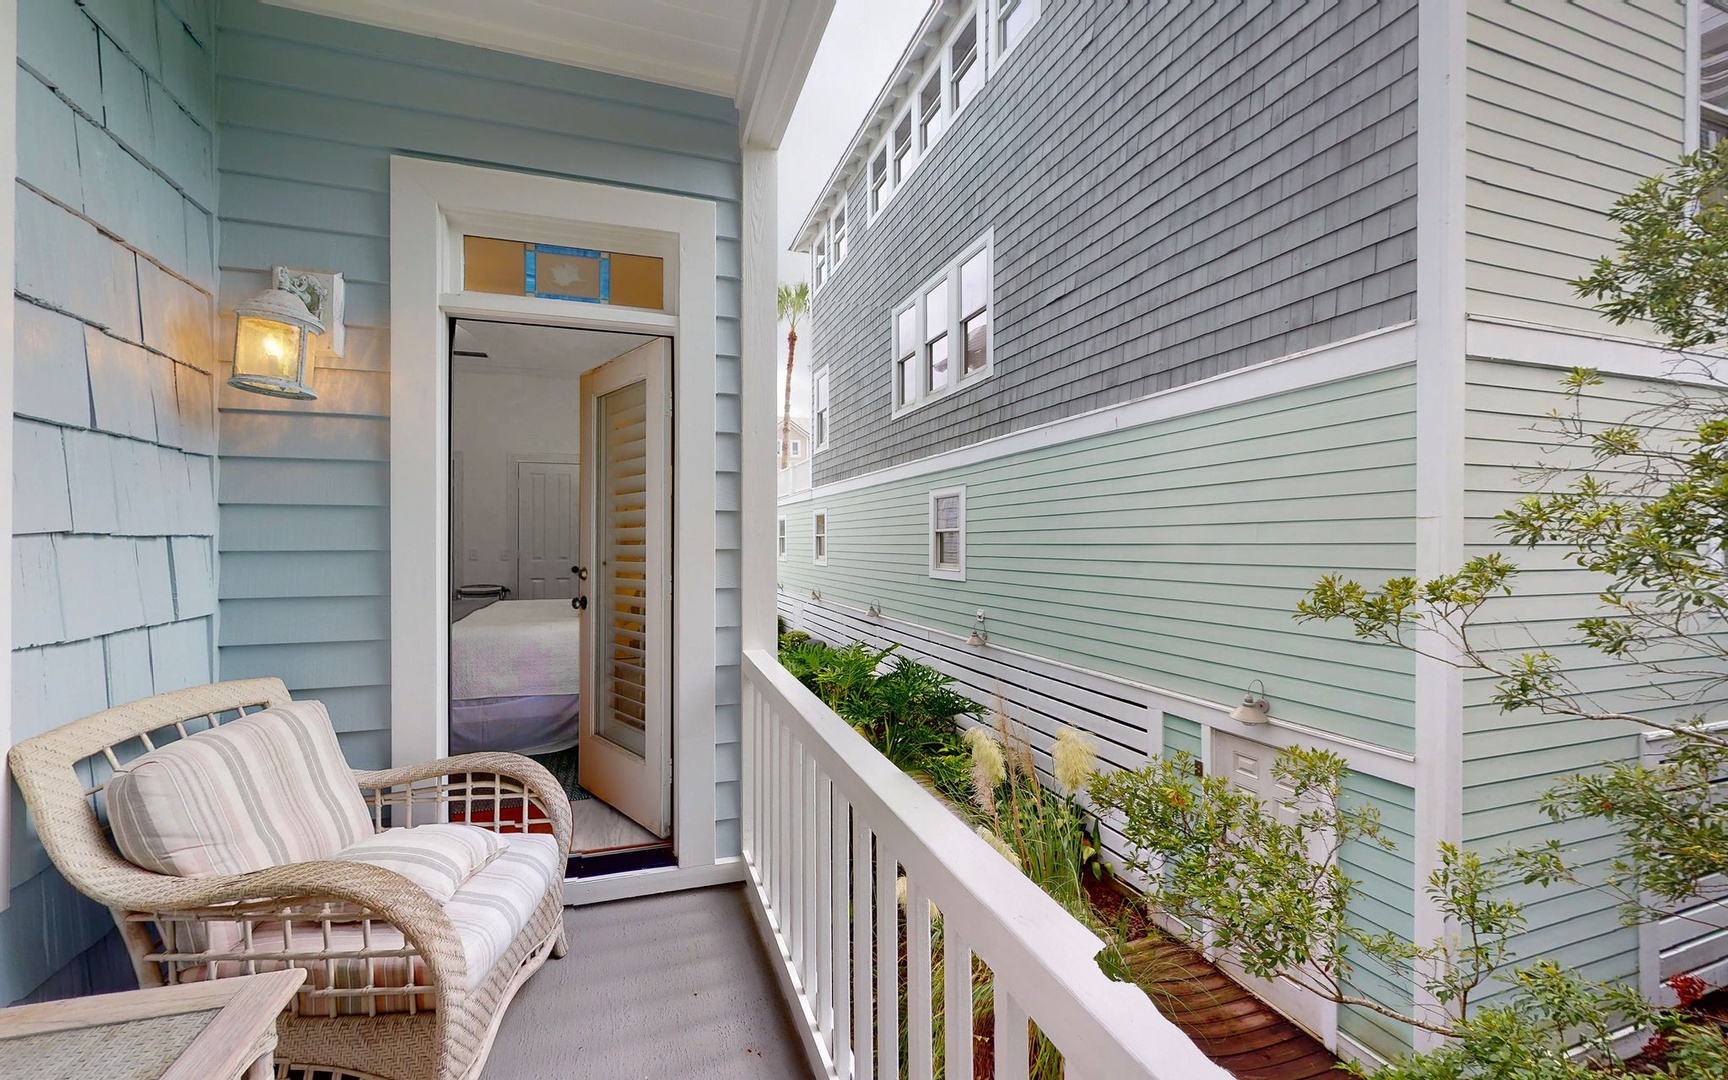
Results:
<point x="1176" y="191"/>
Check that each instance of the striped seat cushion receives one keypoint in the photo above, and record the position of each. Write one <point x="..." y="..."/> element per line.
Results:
<point x="267" y="789"/>
<point x="438" y="858"/>
<point x="487" y="913"/>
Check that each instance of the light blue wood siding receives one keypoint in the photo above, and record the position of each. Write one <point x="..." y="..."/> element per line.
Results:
<point x="1569" y="106"/>
<point x="1171" y="554"/>
<point x="114" y="568"/>
<point x="1511" y="759"/>
<point x="311" y="110"/>
<point x="1385" y="903"/>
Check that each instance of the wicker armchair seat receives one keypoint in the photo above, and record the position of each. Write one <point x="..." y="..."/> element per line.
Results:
<point x="400" y="986"/>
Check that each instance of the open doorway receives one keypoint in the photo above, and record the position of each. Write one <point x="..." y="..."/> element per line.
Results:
<point x="559" y="528"/>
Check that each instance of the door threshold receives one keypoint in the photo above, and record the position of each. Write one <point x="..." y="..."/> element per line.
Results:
<point x="591" y="864"/>
<point x="652" y="881"/>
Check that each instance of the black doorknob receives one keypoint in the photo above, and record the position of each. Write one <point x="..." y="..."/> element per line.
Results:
<point x="580" y="603"/>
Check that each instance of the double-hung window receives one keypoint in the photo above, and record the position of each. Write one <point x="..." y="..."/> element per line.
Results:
<point x="819" y="537"/>
<point x="797" y="448"/>
<point x="966" y="70"/>
<point x="780" y="537"/>
<point x="941" y="334"/>
<point x="948" y="533"/>
<point x="930" y="111"/>
<point x="878" y="180"/>
<point x="936" y="339"/>
<point x="819" y="412"/>
<point x="819" y="270"/>
<point x="1712" y="72"/>
<point x="907" y="385"/>
<point x="1013" y="19"/>
<point x="902" y="149"/>
<point x="838" y="232"/>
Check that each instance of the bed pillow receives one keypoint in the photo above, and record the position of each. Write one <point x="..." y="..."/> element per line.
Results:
<point x="263" y="790"/>
<point x="438" y="858"/>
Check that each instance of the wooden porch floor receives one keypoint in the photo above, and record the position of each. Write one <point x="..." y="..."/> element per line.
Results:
<point x="662" y="987"/>
<point x="1230" y="1025"/>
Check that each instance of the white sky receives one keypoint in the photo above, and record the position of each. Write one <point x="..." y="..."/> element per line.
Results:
<point x="863" y="39"/>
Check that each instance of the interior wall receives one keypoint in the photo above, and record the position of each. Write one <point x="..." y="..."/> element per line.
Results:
<point x="495" y="414"/>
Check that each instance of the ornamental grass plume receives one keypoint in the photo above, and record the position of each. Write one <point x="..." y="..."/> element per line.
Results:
<point x="1001" y="846"/>
<point x="1075" y="761"/>
<point x="989" y="767"/>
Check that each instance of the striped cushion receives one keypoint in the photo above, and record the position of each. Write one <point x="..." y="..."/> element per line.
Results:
<point x="438" y="858"/>
<point x="487" y="913"/>
<point x="264" y="790"/>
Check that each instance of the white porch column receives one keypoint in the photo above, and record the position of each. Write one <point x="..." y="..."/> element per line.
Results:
<point x="761" y="278"/>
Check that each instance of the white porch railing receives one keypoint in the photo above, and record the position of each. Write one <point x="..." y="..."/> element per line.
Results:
<point x="829" y="827"/>
<point x="795" y="478"/>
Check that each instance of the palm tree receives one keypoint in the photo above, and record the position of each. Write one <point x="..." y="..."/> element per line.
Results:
<point x="793" y="303"/>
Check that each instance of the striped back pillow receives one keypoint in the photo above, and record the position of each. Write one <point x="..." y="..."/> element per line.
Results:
<point x="264" y="790"/>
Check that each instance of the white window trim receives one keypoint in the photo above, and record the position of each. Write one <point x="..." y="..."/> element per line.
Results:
<point x="999" y="51"/>
<point x="822" y="558"/>
<point x="959" y="381"/>
<point x="797" y="448"/>
<point x="941" y="67"/>
<point x="780" y="537"/>
<point x="947" y="573"/>
<point x="820" y="402"/>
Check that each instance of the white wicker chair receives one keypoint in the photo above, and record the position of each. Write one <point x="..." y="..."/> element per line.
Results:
<point x="63" y="774"/>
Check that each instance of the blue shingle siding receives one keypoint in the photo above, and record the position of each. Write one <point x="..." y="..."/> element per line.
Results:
<point x="1175" y="190"/>
<point x="311" y="110"/>
<point x="114" y="574"/>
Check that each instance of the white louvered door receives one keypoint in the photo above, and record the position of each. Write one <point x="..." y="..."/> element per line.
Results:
<point x="625" y="550"/>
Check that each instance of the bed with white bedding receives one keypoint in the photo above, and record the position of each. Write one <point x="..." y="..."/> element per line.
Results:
<point x="514" y="682"/>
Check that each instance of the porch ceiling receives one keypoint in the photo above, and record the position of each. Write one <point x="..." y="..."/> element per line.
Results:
<point x="756" y="52"/>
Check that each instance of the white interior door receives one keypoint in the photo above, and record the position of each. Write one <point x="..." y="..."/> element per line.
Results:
<point x="1248" y="765"/>
<point x="546" y="494"/>
<point x="625" y="595"/>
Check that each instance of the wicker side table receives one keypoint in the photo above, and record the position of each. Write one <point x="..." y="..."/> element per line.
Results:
<point x="221" y="1030"/>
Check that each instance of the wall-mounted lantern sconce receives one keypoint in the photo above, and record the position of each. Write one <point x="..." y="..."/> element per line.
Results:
<point x="270" y="353"/>
<point x="1253" y="707"/>
<point x="875" y="611"/>
<point x="979" y="636"/>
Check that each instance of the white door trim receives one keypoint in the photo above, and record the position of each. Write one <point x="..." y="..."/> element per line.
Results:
<point x="431" y="204"/>
<point x="8" y="212"/>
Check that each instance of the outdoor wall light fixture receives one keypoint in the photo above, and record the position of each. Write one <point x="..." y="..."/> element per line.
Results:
<point x="875" y="611"/>
<point x="1253" y="707"/>
<point x="979" y="636"/>
<point x="816" y="595"/>
<point x="279" y="333"/>
<point x="270" y="355"/>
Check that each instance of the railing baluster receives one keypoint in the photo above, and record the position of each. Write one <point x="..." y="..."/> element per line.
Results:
<point x="920" y="1063"/>
<point x="810" y="912"/>
<point x="957" y="1006"/>
<point x="887" y="962"/>
<point x="823" y="863"/>
<point x="795" y="861"/>
<point x="1010" y="1035"/>
<point x="862" y="994"/>
<point x="840" y="997"/>
<point x="782" y="826"/>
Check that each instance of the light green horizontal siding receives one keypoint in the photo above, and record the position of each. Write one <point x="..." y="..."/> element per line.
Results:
<point x="1511" y="759"/>
<point x="1385" y="903"/>
<point x="1172" y="554"/>
<point x="1568" y="106"/>
<point x="1181" y="736"/>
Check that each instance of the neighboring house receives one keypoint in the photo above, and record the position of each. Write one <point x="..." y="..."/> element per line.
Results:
<point x="167" y="530"/>
<point x="1130" y="321"/>
<point x="795" y="464"/>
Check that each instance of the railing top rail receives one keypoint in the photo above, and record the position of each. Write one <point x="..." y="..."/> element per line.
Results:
<point x="1043" y="954"/>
